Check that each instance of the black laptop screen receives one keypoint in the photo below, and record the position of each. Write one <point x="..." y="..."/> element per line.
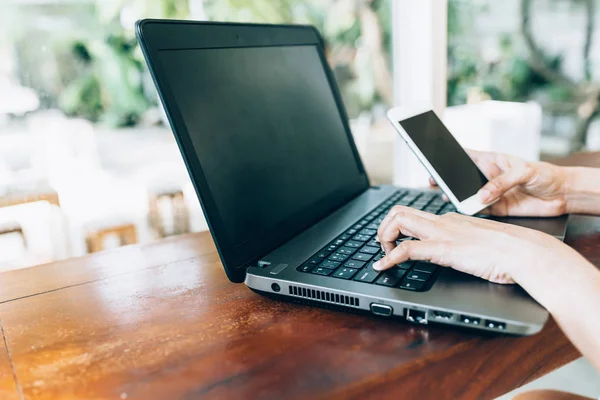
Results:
<point x="266" y="131"/>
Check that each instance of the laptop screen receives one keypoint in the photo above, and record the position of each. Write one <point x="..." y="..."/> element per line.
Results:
<point x="267" y="132"/>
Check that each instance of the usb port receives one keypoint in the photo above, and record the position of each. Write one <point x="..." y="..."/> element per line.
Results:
<point x="495" y="325"/>
<point x="417" y="316"/>
<point x="465" y="319"/>
<point x="443" y="315"/>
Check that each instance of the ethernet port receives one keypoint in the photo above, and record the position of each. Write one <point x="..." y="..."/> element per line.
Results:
<point x="417" y="316"/>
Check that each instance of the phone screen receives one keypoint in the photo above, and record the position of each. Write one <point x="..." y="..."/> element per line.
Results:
<point x="445" y="154"/>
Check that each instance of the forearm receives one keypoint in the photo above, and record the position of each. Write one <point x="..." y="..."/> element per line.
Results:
<point x="582" y="191"/>
<point x="570" y="290"/>
<point x="580" y="318"/>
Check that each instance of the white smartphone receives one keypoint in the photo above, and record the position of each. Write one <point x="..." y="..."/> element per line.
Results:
<point x="443" y="157"/>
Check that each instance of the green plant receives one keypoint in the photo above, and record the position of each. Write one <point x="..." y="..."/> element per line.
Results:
<point x="524" y="72"/>
<point x="109" y="86"/>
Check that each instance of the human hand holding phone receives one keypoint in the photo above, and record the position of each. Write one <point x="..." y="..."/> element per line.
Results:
<point x="519" y="187"/>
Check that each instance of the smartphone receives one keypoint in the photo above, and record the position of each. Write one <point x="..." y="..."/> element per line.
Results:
<point x="443" y="157"/>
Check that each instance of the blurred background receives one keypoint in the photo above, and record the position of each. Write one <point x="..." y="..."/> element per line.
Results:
<point x="88" y="163"/>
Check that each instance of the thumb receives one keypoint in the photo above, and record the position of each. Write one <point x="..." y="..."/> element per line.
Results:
<point x="501" y="184"/>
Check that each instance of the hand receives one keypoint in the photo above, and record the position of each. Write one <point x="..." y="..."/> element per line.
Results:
<point x="523" y="188"/>
<point x="488" y="249"/>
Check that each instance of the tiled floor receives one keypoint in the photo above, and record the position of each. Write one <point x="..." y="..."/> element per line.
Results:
<point x="578" y="377"/>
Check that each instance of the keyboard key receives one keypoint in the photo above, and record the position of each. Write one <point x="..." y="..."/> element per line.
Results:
<point x="351" y="231"/>
<point x="387" y="280"/>
<point x="418" y="275"/>
<point x="412" y="284"/>
<point x="314" y="260"/>
<point x="329" y="264"/>
<point x="374" y="243"/>
<point x="409" y="198"/>
<point x="362" y="256"/>
<point x="425" y="267"/>
<point x="419" y="204"/>
<point x="368" y="232"/>
<point x="361" y="238"/>
<point x="446" y="209"/>
<point x="346" y="250"/>
<point x="379" y="256"/>
<point x="432" y="208"/>
<point x="338" y="257"/>
<point x="373" y="225"/>
<point x="428" y="196"/>
<point x="367" y="275"/>
<point x="322" y="271"/>
<point x="354" y="264"/>
<point x="323" y="254"/>
<point x="394" y="276"/>
<point x="337" y="242"/>
<point x="306" y="267"/>
<point x="370" y="250"/>
<point x="344" y="273"/>
<point x="404" y="202"/>
<point x="405" y="265"/>
<point x="345" y="237"/>
<point x="331" y="248"/>
<point x="353" y="243"/>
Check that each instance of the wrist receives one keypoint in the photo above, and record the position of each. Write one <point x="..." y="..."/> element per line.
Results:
<point x="581" y="190"/>
<point x="550" y="278"/>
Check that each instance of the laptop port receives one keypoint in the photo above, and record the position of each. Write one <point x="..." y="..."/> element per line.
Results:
<point x="442" y="315"/>
<point x="381" y="309"/>
<point x="417" y="316"/>
<point x="495" y="325"/>
<point x="465" y="319"/>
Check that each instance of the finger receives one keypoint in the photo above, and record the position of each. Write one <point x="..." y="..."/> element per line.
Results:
<point x="486" y="161"/>
<point x="406" y="223"/>
<point x="394" y="210"/>
<point x="414" y="250"/>
<point x="501" y="184"/>
<point x="432" y="182"/>
<point x="475" y="155"/>
<point x="445" y="198"/>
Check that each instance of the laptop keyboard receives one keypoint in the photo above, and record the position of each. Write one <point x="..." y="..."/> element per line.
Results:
<point x="352" y="254"/>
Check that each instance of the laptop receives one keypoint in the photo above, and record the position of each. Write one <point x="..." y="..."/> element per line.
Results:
<point x="261" y="126"/>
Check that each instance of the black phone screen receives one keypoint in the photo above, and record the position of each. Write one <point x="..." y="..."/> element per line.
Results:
<point x="445" y="154"/>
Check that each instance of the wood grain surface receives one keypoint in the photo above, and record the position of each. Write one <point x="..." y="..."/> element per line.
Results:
<point x="8" y="387"/>
<point x="161" y="321"/>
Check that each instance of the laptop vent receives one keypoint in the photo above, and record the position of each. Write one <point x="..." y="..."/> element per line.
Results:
<point x="320" y="295"/>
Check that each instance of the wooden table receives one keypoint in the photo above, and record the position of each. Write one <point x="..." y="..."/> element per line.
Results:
<point x="162" y="321"/>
